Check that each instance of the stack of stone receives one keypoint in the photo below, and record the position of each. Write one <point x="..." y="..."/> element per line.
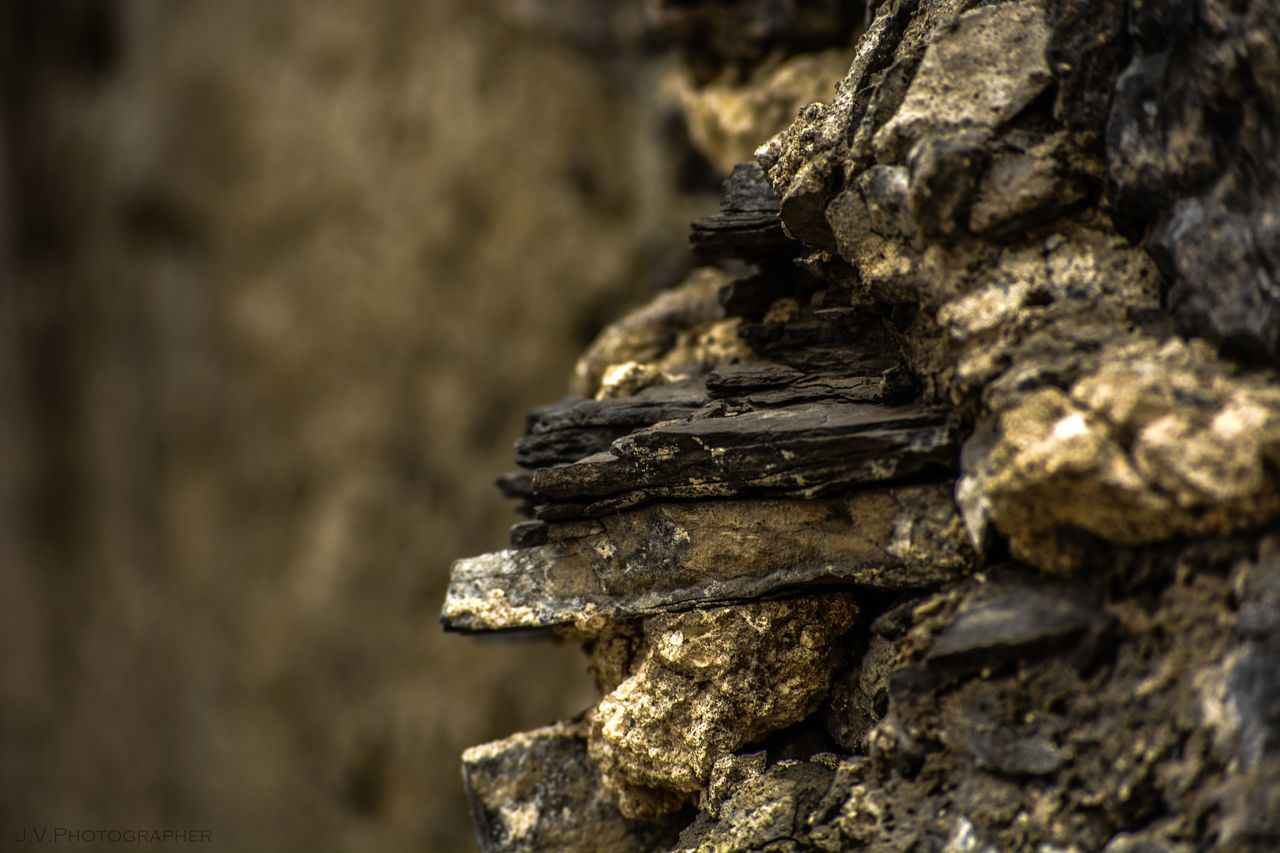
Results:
<point x="934" y="524"/>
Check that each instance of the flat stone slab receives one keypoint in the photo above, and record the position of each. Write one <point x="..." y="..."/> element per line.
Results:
<point x="573" y="428"/>
<point x="806" y="450"/>
<point x="675" y="556"/>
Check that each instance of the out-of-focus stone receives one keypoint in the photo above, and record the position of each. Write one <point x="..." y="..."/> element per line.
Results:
<point x="729" y="37"/>
<point x="1248" y="810"/>
<point x="1191" y="143"/>
<point x="711" y="681"/>
<point x="625" y="379"/>
<point x="1003" y="621"/>
<point x="1225" y="264"/>
<point x="747" y="226"/>
<point x="859" y="696"/>
<point x="977" y="724"/>
<point x="1145" y="842"/>
<point x="727" y="120"/>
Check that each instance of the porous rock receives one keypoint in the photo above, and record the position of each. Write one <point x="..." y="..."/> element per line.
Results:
<point x="1157" y="443"/>
<point x="974" y="77"/>
<point x="713" y="680"/>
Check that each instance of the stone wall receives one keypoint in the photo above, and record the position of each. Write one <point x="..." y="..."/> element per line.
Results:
<point x="939" y="510"/>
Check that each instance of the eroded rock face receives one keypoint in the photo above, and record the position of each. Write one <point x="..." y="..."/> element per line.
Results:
<point x="1024" y="325"/>
<point x="961" y="411"/>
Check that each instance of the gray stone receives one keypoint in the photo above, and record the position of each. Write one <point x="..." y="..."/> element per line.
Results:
<point x="538" y="791"/>
<point x="974" y="77"/>
<point x="805" y="450"/>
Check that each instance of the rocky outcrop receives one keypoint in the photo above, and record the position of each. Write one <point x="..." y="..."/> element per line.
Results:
<point x="941" y="528"/>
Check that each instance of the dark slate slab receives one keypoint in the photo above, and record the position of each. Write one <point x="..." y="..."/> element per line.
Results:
<point x="573" y="428"/>
<point x="805" y="450"/>
<point x="848" y="340"/>
<point x="747" y="226"/>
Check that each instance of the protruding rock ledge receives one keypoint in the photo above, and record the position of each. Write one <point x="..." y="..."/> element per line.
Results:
<point x="806" y="450"/>
<point x="680" y="555"/>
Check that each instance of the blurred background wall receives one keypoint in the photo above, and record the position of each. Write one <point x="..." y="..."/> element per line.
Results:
<point x="278" y="281"/>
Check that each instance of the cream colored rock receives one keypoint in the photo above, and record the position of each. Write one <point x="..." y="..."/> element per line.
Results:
<point x="1159" y="441"/>
<point x="1034" y="301"/>
<point x="682" y="327"/>
<point x="728" y="121"/>
<point x="711" y="681"/>
<point x="625" y="379"/>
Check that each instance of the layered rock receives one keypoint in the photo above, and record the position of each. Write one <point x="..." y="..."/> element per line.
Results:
<point x="932" y="531"/>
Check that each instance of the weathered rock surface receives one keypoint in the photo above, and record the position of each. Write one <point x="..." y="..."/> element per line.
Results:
<point x="728" y="118"/>
<point x="712" y="680"/>
<point x="986" y="68"/>
<point x="666" y="333"/>
<point x="1158" y="442"/>
<point x="972" y="410"/>
<point x="671" y="556"/>
<point x="731" y="37"/>
<point x="539" y="791"/>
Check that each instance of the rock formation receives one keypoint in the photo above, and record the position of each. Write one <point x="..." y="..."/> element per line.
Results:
<point x="938" y="512"/>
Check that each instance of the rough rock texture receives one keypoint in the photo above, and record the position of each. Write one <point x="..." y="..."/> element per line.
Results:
<point x="671" y="555"/>
<point x="710" y="681"/>
<point x="539" y="791"/>
<point x="1005" y="397"/>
